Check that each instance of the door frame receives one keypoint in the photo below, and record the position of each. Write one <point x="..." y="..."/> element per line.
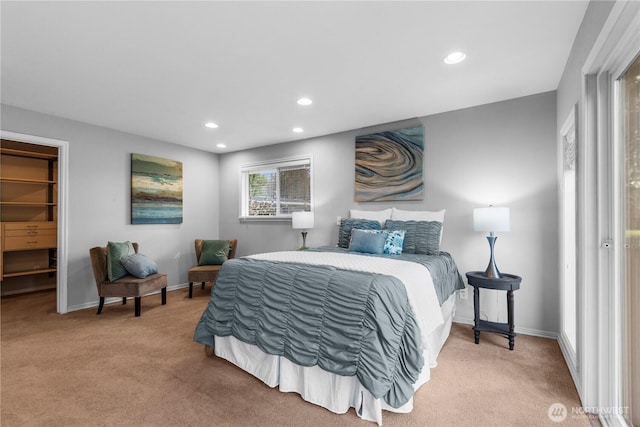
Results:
<point x="601" y="306"/>
<point x="63" y="185"/>
<point x="569" y="352"/>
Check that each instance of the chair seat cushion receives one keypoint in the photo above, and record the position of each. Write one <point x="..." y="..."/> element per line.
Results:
<point x="130" y="286"/>
<point x="203" y="273"/>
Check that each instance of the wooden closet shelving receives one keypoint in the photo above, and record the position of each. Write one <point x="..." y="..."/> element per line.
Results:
<point x="28" y="229"/>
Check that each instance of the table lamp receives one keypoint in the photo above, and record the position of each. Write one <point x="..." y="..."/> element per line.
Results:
<point x="491" y="219"/>
<point x="302" y="221"/>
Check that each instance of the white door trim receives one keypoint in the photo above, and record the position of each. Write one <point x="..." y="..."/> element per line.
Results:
<point x="601" y="306"/>
<point x="63" y="185"/>
<point x="569" y="352"/>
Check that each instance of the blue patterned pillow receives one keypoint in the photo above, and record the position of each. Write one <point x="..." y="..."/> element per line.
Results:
<point x="348" y="224"/>
<point x="394" y="242"/>
<point x="421" y="237"/>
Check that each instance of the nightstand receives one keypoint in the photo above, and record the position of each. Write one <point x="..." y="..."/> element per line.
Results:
<point x="509" y="283"/>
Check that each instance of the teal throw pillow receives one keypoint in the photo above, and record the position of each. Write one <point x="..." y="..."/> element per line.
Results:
<point x="139" y="265"/>
<point x="214" y="252"/>
<point x="115" y="251"/>
<point x="367" y="242"/>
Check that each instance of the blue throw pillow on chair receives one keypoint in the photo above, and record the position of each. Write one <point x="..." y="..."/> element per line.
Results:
<point x="139" y="265"/>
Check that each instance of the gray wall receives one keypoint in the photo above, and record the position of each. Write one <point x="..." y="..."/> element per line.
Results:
<point x="502" y="154"/>
<point x="99" y="197"/>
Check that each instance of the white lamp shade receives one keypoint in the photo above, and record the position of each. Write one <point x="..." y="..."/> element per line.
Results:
<point x="491" y="219"/>
<point x="302" y="220"/>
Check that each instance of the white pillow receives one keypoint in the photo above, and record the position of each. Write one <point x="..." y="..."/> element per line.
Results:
<point x="380" y="216"/>
<point x="400" y="215"/>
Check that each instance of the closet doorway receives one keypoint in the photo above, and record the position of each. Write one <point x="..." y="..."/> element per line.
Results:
<point x="33" y="237"/>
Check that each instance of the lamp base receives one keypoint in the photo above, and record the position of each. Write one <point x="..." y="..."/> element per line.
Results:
<point x="304" y="241"/>
<point x="492" y="270"/>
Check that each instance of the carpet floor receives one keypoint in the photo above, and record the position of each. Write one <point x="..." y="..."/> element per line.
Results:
<point x="80" y="369"/>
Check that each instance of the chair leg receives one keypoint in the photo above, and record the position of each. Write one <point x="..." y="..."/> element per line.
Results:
<point x="101" y="305"/>
<point x="137" y="300"/>
<point x="190" y="289"/>
<point x="164" y="296"/>
<point x="124" y="300"/>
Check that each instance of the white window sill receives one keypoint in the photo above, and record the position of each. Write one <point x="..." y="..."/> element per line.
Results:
<point x="282" y="218"/>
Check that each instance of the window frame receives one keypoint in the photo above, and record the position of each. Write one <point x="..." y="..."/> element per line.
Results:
<point x="248" y="168"/>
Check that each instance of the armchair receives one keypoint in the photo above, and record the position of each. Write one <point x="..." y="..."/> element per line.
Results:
<point x="207" y="273"/>
<point x="127" y="286"/>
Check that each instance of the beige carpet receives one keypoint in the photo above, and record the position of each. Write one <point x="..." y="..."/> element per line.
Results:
<point x="81" y="369"/>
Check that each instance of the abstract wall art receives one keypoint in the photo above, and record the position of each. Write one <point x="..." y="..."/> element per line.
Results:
<point x="156" y="190"/>
<point x="389" y="165"/>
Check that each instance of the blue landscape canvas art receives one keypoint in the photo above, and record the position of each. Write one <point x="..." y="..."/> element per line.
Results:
<point x="389" y="165"/>
<point x="156" y="190"/>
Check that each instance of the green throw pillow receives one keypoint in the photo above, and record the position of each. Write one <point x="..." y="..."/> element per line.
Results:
<point x="115" y="251"/>
<point x="214" y="252"/>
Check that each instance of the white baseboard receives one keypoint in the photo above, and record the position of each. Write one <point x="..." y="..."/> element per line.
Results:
<point x="522" y="331"/>
<point x="112" y="300"/>
<point x="570" y="359"/>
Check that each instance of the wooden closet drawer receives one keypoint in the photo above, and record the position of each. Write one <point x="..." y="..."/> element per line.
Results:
<point x="17" y="243"/>
<point x="40" y="232"/>
<point x="15" y="228"/>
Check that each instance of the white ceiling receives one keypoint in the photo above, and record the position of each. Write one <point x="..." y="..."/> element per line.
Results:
<point x="163" y="69"/>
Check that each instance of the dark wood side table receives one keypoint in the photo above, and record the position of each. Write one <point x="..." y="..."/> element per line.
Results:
<point x="509" y="283"/>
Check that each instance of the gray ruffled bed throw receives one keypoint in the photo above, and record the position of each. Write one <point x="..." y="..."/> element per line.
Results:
<point x="346" y="322"/>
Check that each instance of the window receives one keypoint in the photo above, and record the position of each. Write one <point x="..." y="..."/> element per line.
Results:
<point x="276" y="188"/>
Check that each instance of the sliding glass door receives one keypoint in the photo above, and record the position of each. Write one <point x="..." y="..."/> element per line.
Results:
<point x="609" y="222"/>
<point x="630" y="257"/>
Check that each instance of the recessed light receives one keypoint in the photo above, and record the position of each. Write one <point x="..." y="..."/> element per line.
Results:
<point x="221" y="145"/>
<point x="304" y="101"/>
<point x="455" y="57"/>
<point x="211" y="125"/>
<point x="298" y="130"/>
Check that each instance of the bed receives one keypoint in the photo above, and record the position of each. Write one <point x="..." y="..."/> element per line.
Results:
<point x="342" y="328"/>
